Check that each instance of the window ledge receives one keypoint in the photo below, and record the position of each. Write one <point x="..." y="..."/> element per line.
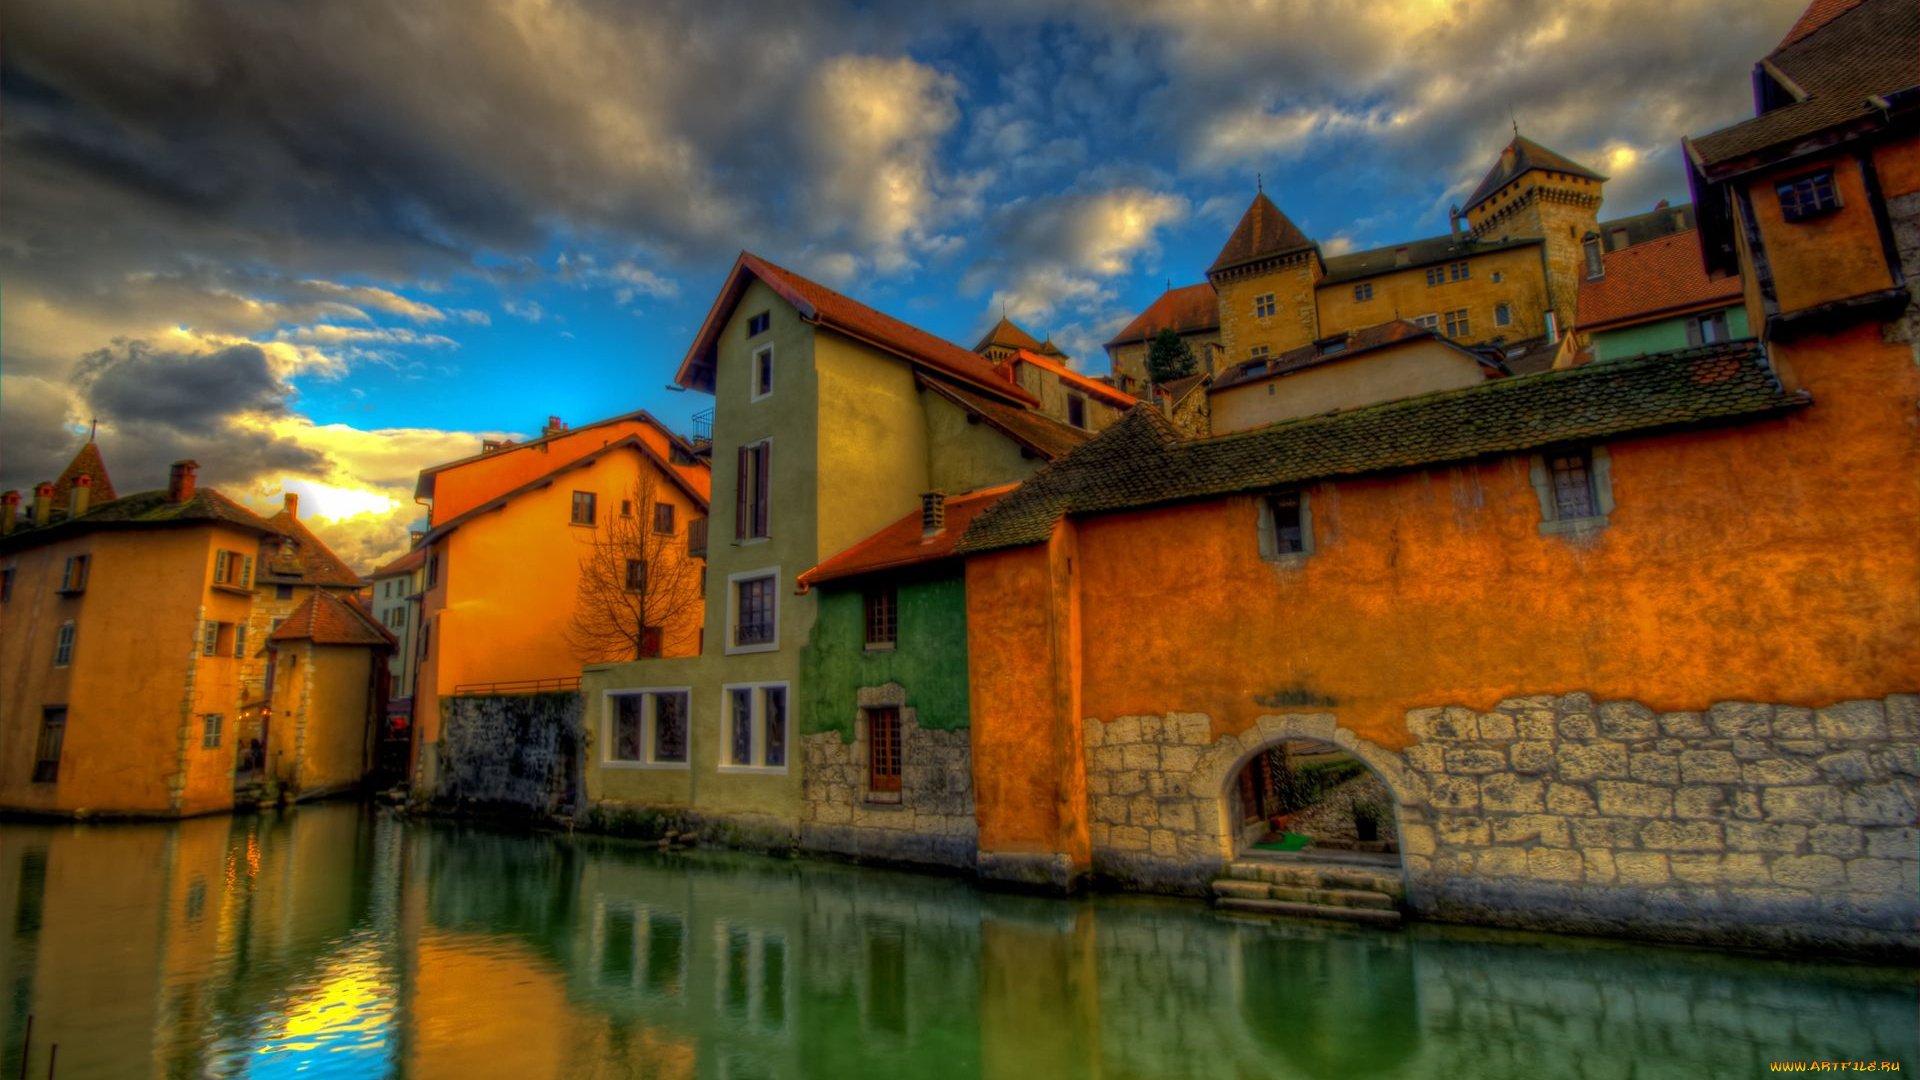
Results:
<point x="1293" y="560"/>
<point x="240" y="590"/>
<point x="886" y="647"/>
<point x="736" y="650"/>
<point x="753" y="770"/>
<point x="1573" y="526"/>
<point x="885" y="800"/>
<point x="664" y="766"/>
<point x="71" y="592"/>
<point x="749" y="541"/>
<point x="583" y="524"/>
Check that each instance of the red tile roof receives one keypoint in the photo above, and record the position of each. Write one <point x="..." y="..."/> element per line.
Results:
<point x="405" y="564"/>
<point x="698" y="474"/>
<point x="819" y="304"/>
<point x="546" y="479"/>
<point x="1521" y="156"/>
<point x="1091" y="387"/>
<point x="1007" y="334"/>
<point x="1818" y="14"/>
<point x="903" y="543"/>
<point x="325" y="619"/>
<point x="1646" y="281"/>
<point x="1263" y="232"/>
<point x="85" y="463"/>
<point x="311" y="563"/>
<point x="1189" y="309"/>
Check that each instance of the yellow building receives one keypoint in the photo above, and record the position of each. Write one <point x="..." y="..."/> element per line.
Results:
<point x="327" y="689"/>
<point x="510" y="529"/>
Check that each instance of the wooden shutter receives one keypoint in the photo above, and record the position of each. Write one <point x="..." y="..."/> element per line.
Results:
<point x="247" y="572"/>
<point x="741" y="525"/>
<point x="220" y="567"/>
<point x="763" y="485"/>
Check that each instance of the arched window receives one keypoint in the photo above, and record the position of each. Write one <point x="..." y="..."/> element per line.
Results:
<point x="1502" y="315"/>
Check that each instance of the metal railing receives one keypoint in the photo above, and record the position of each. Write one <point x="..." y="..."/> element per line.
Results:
<point x="697" y="538"/>
<point x="520" y="686"/>
<point x="703" y="427"/>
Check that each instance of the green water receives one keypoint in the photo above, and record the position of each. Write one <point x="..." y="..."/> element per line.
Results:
<point x="337" y="941"/>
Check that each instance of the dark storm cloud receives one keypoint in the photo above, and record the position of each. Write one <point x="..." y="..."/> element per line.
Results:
<point x="133" y="382"/>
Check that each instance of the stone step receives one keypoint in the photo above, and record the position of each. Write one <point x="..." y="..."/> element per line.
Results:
<point x="1308" y="911"/>
<point x="1325" y="875"/>
<point x="1236" y="889"/>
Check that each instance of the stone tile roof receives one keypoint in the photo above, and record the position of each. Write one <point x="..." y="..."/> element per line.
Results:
<point x="1189" y="309"/>
<point x="1043" y="435"/>
<point x="1351" y="344"/>
<point x="311" y="562"/>
<point x="1838" y="58"/>
<point x="87" y="462"/>
<point x="819" y="304"/>
<point x="904" y="543"/>
<point x="1085" y="384"/>
<point x="325" y="619"/>
<point x="1519" y="157"/>
<point x="1646" y="281"/>
<point x="1176" y="390"/>
<point x="1385" y="260"/>
<point x="1652" y="225"/>
<point x="141" y="510"/>
<point x="1007" y="334"/>
<point x="1263" y="232"/>
<point x="1142" y="461"/>
<point x="1818" y="14"/>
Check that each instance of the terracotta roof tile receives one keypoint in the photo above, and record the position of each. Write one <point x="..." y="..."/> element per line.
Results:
<point x="1189" y="309"/>
<point x="698" y="475"/>
<point x="1518" y="157"/>
<point x="1647" y="280"/>
<point x="1041" y="434"/>
<point x="1085" y="384"/>
<point x="1142" y="460"/>
<point x="1176" y="390"/>
<point x="325" y="619"/>
<point x="1818" y="14"/>
<point x="405" y="564"/>
<point x="1263" y="232"/>
<point x="1007" y="335"/>
<point x="904" y="543"/>
<point x="310" y="563"/>
<point x="87" y="462"/>
<point x="1843" y="58"/>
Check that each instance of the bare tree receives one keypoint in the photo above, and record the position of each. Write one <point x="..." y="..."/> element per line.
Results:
<point x="640" y="591"/>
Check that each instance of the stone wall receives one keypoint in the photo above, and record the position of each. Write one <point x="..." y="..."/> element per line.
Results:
<point x="933" y="821"/>
<point x="1745" y="824"/>
<point x="517" y="753"/>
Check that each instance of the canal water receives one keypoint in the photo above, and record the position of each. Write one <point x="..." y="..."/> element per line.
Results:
<point x="341" y="941"/>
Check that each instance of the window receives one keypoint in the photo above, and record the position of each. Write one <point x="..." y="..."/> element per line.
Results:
<point x="583" y="503"/>
<point x="1286" y="527"/>
<point x="1259" y="352"/>
<point x="1430" y="321"/>
<point x="1707" y="329"/>
<point x="1436" y="275"/>
<point x="283" y="592"/>
<point x="74" y="578"/>
<point x="1497" y="277"/>
<point x="1076" y="410"/>
<point x="232" y="569"/>
<point x="636" y="575"/>
<point x="759" y="324"/>
<point x="1263" y="306"/>
<point x="762" y="372"/>
<point x="1459" y="271"/>
<point x="1502" y="315"/>
<point x="433" y="571"/>
<point x="1808" y="196"/>
<point x="1596" y="265"/>
<point x="626" y="508"/>
<point x="648" y="727"/>
<point x="1363" y="291"/>
<point x="883" y="754"/>
<point x="650" y="643"/>
<point x="883" y="618"/>
<point x="756" y="612"/>
<point x="239" y="641"/>
<point x="663" y="518"/>
<point x="210" y="731"/>
<point x="46" y="755"/>
<point x="752" y="494"/>
<point x="210" y="639"/>
<point x="63" y="644"/>
<point x="1457" y="324"/>
<point x="755" y="735"/>
<point x="1574" y="486"/>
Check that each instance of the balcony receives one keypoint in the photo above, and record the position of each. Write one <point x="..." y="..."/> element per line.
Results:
<point x="703" y="428"/>
<point x="697" y="538"/>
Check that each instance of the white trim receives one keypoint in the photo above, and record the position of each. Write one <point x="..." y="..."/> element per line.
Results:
<point x="753" y="372"/>
<point x="733" y="611"/>
<point x="648" y="718"/>
<point x="743" y="541"/>
<point x="758" y="748"/>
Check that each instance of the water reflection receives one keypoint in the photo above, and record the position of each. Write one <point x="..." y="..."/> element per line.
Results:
<point x="336" y="942"/>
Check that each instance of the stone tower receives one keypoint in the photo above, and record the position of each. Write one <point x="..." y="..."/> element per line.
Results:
<point x="1534" y="191"/>
<point x="1265" y="277"/>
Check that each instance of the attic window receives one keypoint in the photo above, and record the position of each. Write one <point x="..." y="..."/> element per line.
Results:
<point x="759" y="324"/>
<point x="1808" y="196"/>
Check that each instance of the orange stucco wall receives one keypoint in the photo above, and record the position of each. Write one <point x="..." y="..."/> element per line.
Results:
<point x="1832" y="257"/>
<point x="458" y="490"/>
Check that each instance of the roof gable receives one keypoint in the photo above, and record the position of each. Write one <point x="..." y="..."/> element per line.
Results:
<point x="1007" y="335"/>
<point x="1818" y="14"/>
<point x="1040" y="434"/>
<point x="423" y="487"/>
<point x="1189" y="309"/>
<point x="1264" y="232"/>
<point x="87" y="462"/>
<point x="1522" y="156"/>
<point x="311" y="562"/>
<point x="142" y="510"/>
<point x="325" y="619"/>
<point x="546" y="479"/>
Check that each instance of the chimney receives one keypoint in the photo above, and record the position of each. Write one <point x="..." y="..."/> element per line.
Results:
<point x="1402" y="256"/>
<point x="1453" y="223"/>
<point x="9" y="512"/>
<point x="81" y="495"/>
<point x="933" y="513"/>
<point x="414" y="536"/>
<point x="180" y="482"/>
<point x="42" y="503"/>
<point x="554" y="426"/>
<point x="293" y="504"/>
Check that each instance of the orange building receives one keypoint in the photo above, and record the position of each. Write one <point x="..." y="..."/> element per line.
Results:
<point x="1634" y="646"/>
<point x="503" y="558"/>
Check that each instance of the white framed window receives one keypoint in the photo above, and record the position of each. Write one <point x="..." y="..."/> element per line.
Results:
<point x="753" y="611"/>
<point x="646" y="727"/>
<point x="1430" y="320"/>
<point x="63" y="644"/>
<point x="755" y="727"/>
<point x="1286" y="526"/>
<point x="762" y="369"/>
<point x="210" y="724"/>
<point x="1707" y="329"/>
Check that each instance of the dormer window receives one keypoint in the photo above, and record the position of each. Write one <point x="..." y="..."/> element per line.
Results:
<point x="1809" y="196"/>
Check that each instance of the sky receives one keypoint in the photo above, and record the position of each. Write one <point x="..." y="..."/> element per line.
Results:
<point x="317" y="247"/>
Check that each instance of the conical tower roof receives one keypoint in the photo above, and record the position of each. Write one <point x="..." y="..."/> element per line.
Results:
<point x="1520" y="156"/>
<point x="1263" y="232"/>
<point x="1006" y="335"/>
<point x="87" y="462"/>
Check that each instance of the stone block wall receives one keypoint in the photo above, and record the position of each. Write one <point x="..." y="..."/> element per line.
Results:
<point x="932" y="823"/>
<point x="1744" y="824"/>
<point x="517" y="753"/>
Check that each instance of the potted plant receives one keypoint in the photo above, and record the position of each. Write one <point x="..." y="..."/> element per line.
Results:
<point x="1366" y="819"/>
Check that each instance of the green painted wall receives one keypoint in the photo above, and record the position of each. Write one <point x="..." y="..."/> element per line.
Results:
<point x="1661" y="336"/>
<point x="930" y="659"/>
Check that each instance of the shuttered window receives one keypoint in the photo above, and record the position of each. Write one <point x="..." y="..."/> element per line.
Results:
<point x="752" y="497"/>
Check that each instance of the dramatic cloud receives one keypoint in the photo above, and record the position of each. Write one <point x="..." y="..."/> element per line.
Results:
<point x="133" y="382"/>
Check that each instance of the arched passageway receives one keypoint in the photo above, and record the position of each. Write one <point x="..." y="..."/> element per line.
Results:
<point x="1308" y="794"/>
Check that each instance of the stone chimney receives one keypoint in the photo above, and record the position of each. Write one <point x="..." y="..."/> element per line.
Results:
<point x="80" y="496"/>
<point x="554" y="426"/>
<point x="42" y="503"/>
<point x="180" y="482"/>
<point x="9" y="512"/>
<point x="1453" y="223"/>
<point x="293" y="504"/>
<point x="933" y="513"/>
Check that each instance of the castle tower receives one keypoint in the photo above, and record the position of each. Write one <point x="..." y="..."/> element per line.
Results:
<point x="1004" y="339"/>
<point x="1534" y="191"/>
<point x="1265" y="277"/>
